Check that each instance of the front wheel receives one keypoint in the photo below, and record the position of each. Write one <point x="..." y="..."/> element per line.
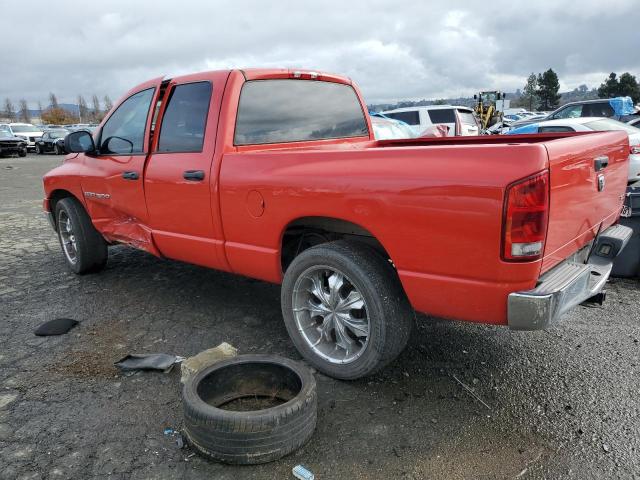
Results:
<point x="23" y="152"/>
<point x="38" y="149"/>
<point x="56" y="149"/>
<point x="345" y="310"/>
<point x="84" y="248"/>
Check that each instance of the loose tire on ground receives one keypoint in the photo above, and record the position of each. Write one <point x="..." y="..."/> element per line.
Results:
<point x="249" y="437"/>
<point x="387" y="310"/>
<point x="86" y="250"/>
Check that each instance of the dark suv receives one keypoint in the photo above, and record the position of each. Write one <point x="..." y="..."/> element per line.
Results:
<point x="591" y="108"/>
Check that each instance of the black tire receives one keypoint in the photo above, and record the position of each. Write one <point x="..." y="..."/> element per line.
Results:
<point x="391" y="317"/>
<point x="38" y="149"/>
<point x="23" y="152"/>
<point x="91" y="248"/>
<point x="56" y="149"/>
<point x="249" y="437"/>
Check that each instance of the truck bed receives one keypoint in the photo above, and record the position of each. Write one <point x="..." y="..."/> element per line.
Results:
<point x="436" y="206"/>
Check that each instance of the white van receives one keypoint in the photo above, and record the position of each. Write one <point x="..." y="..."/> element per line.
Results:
<point x="460" y="120"/>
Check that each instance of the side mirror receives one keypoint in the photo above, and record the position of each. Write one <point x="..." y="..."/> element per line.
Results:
<point x="79" y="142"/>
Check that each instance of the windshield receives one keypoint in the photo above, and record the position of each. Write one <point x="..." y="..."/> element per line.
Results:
<point x="58" y="133"/>
<point x="605" y="124"/>
<point x="4" y="128"/>
<point x="488" y="97"/>
<point x="23" y="128"/>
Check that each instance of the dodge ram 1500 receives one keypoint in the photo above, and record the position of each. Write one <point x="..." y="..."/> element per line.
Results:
<point x="276" y="175"/>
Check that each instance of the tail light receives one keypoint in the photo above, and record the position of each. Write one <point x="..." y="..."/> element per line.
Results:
<point x="634" y="149"/>
<point x="526" y="211"/>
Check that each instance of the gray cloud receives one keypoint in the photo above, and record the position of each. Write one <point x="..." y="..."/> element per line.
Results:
<point x="393" y="50"/>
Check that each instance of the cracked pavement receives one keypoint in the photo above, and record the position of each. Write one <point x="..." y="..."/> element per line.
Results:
<point x="562" y="403"/>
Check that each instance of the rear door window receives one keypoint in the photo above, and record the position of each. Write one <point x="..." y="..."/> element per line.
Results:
<point x="411" y="117"/>
<point x="599" y="109"/>
<point x="185" y="118"/>
<point x="280" y="111"/>
<point x="442" y="115"/>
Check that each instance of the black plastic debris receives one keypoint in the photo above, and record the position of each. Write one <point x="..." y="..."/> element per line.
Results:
<point x="153" y="361"/>
<point x="57" y="326"/>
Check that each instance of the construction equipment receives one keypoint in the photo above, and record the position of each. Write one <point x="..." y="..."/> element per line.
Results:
<point x="486" y="107"/>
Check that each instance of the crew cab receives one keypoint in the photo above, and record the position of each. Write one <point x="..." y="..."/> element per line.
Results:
<point x="276" y="175"/>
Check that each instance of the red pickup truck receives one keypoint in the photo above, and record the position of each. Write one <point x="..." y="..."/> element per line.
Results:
<point x="276" y="175"/>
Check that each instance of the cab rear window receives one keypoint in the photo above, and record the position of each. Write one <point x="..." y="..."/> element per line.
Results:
<point x="279" y="111"/>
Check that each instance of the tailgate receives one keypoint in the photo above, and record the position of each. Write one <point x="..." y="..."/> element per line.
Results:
<point x="581" y="198"/>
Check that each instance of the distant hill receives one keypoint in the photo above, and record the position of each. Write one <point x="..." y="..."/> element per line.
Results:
<point x="69" y="107"/>
<point x="580" y="93"/>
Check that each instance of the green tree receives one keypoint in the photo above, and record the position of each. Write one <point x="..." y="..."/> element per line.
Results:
<point x="629" y="87"/>
<point x="610" y="88"/>
<point x="530" y="90"/>
<point x="24" y="112"/>
<point x="547" y="91"/>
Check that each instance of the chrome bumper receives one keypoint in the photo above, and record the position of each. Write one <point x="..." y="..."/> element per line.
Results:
<point x="567" y="284"/>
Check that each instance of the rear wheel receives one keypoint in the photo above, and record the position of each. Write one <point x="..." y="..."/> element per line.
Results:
<point x="84" y="248"/>
<point x="345" y="310"/>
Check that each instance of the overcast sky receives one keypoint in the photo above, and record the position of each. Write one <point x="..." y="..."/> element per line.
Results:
<point x="393" y="49"/>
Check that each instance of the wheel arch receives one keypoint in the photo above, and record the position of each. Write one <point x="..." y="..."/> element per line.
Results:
<point x="58" y="194"/>
<point x="304" y="232"/>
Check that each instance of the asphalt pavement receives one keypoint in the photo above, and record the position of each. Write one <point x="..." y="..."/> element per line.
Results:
<point x="464" y="401"/>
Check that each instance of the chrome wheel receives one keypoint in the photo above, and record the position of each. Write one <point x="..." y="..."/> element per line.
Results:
<point x="67" y="237"/>
<point x="330" y="314"/>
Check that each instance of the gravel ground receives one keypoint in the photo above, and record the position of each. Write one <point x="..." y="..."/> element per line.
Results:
<point x="559" y="404"/>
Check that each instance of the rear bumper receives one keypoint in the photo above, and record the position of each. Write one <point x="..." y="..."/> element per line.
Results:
<point x="567" y="284"/>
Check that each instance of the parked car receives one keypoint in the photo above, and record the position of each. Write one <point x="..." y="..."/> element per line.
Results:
<point x="459" y="120"/>
<point x="52" y="141"/>
<point x="591" y="124"/>
<point x="619" y="108"/>
<point x="26" y="131"/>
<point x="385" y="128"/>
<point x="10" y="144"/>
<point x="635" y="122"/>
<point x="276" y="175"/>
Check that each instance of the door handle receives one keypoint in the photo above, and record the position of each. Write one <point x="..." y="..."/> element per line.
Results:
<point x="600" y="162"/>
<point x="130" y="175"/>
<point x="194" y="175"/>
